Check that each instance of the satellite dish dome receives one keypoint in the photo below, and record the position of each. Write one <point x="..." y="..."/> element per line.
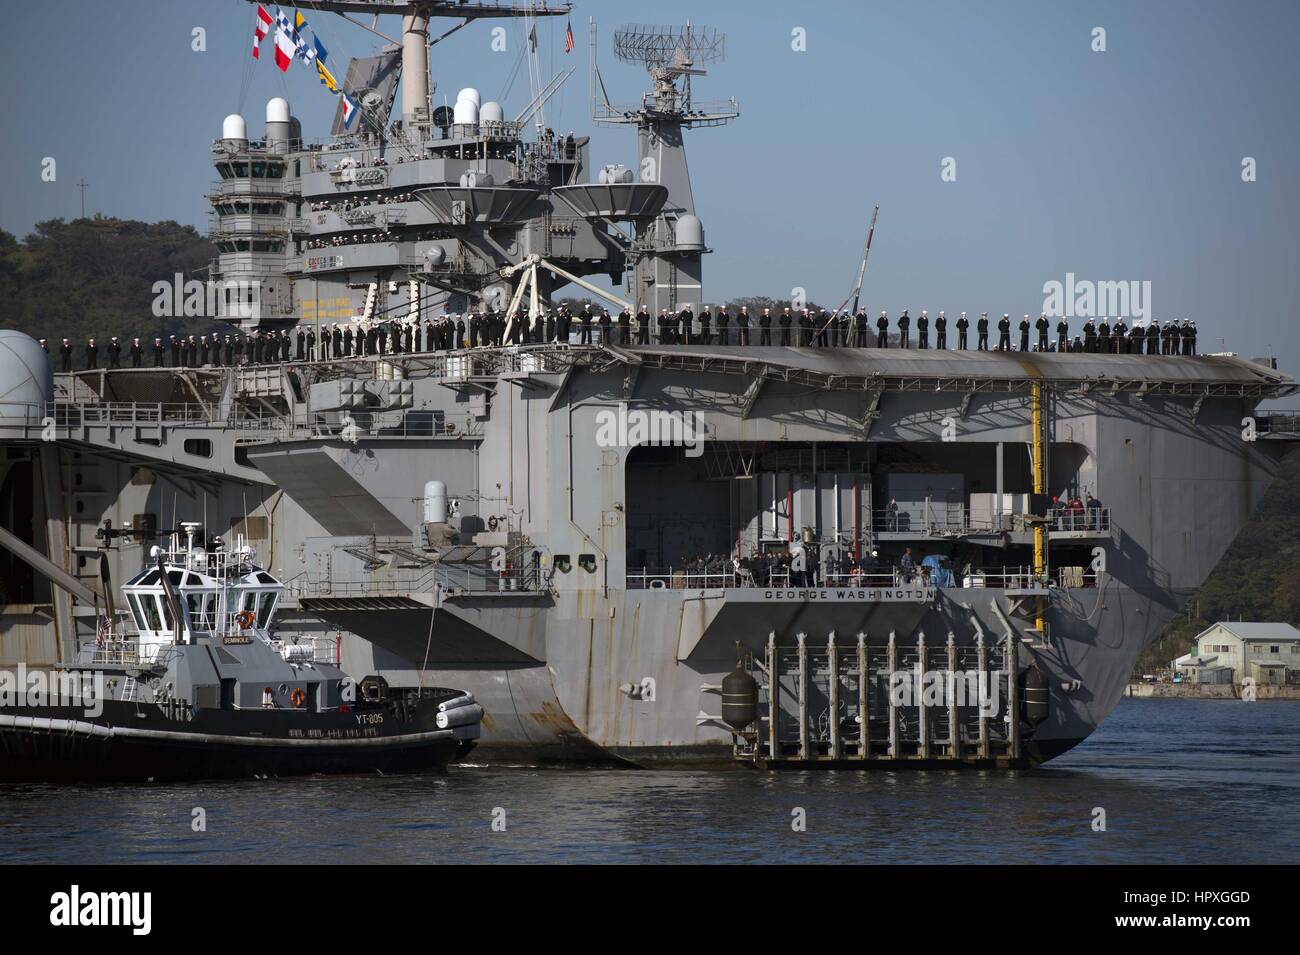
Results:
<point x="435" y="255"/>
<point x="277" y="110"/>
<point x="234" y="127"/>
<point x="689" y="232"/>
<point x="26" y="376"/>
<point x="465" y="113"/>
<point x="492" y="113"/>
<point x="469" y="93"/>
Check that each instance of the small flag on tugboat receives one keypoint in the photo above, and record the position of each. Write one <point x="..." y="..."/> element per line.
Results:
<point x="101" y="636"/>
<point x="532" y="38"/>
<point x="568" y="37"/>
<point x="261" y="28"/>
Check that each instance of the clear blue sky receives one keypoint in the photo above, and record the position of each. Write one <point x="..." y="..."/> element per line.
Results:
<point x="1114" y="166"/>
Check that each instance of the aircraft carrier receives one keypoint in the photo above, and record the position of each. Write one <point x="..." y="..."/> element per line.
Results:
<point x="671" y="551"/>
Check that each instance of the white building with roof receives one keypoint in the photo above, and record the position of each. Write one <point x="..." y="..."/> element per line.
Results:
<point x="1265" y="652"/>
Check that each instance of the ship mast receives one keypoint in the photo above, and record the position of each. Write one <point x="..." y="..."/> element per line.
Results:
<point x="668" y="250"/>
<point x="416" y="14"/>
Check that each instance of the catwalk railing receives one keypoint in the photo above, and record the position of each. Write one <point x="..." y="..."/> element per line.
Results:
<point x="1003" y="577"/>
<point x="931" y="519"/>
<point x="241" y="417"/>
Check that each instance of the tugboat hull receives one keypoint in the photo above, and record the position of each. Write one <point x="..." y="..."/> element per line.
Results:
<point x="140" y="743"/>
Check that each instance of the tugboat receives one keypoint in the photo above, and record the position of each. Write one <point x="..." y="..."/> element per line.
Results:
<point x="191" y="683"/>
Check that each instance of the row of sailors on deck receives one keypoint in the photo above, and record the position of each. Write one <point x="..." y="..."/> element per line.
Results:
<point x="491" y="329"/>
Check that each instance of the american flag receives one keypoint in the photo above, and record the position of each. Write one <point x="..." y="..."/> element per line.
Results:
<point x="101" y="636"/>
<point x="568" y="37"/>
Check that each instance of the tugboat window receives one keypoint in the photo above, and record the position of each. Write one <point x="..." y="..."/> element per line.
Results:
<point x="135" y="612"/>
<point x="264" y="612"/>
<point x="150" y="607"/>
<point x="167" y="615"/>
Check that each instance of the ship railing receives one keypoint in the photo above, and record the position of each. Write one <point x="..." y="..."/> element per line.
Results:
<point x="1002" y="577"/>
<point x="121" y="652"/>
<point x="1090" y="519"/>
<point x="1013" y="578"/>
<point x="71" y="414"/>
<point x="927" y="519"/>
<point x="75" y="414"/>
<point x="471" y="578"/>
<point x="679" y="578"/>
<point x="866" y="579"/>
<point x="240" y="416"/>
<point x="448" y="579"/>
<point x="351" y="425"/>
<point x="1278" y="422"/>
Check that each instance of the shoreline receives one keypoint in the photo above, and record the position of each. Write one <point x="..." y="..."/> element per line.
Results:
<point x="1209" y="691"/>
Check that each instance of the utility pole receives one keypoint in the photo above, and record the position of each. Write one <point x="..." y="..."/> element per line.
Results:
<point x="81" y="184"/>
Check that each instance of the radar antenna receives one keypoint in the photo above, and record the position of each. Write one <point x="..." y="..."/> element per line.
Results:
<point x="671" y="55"/>
<point x="666" y="251"/>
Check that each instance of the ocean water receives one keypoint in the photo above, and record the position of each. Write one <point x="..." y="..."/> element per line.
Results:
<point x="1179" y="781"/>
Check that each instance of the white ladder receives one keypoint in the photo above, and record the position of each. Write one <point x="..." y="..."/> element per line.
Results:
<point x="128" y="690"/>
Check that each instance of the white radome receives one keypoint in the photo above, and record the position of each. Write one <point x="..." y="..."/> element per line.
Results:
<point x="234" y="127"/>
<point x="277" y="110"/>
<point x="26" y="374"/>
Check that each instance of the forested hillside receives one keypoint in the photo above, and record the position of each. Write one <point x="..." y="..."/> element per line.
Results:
<point x="95" y="277"/>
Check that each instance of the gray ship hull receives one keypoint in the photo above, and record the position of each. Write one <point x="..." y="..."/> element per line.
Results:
<point x="540" y="606"/>
<point x="551" y="697"/>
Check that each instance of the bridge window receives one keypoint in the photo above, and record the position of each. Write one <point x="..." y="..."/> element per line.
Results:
<point x="140" y="622"/>
<point x="202" y="608"/>
<point x="199" y="447"/>
<point x="264" y="610"/>
<point x="152" y="619"/>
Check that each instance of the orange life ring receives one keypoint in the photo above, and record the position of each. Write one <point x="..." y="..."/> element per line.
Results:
<point x="297" y="697"/>
<point x="244" y="618"/>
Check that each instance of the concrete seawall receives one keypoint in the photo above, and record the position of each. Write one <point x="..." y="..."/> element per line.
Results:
<point x="1210" y="691"/>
